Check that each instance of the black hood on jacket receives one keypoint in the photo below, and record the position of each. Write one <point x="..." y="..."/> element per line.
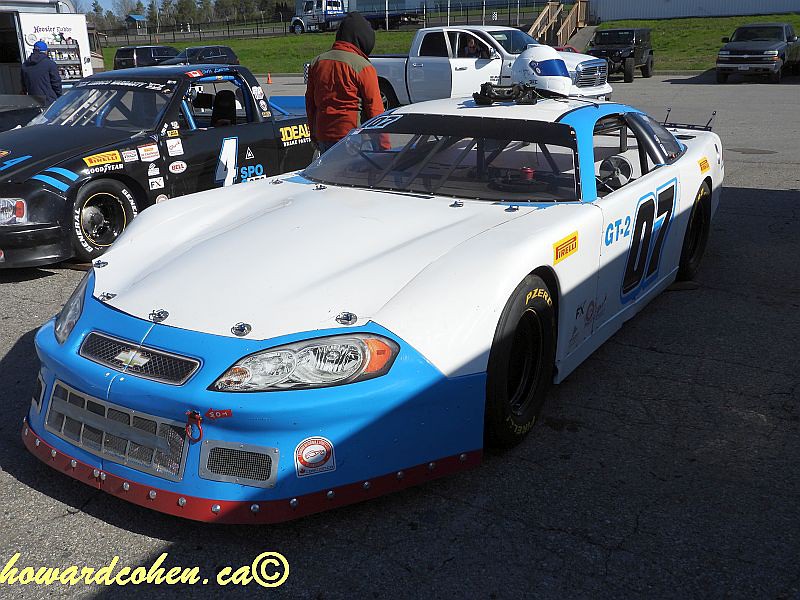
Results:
<point x="355" y="29"/>
<point x="35" y="58"/>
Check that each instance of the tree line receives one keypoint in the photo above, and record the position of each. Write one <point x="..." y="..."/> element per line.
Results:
<point x="177" y="13"/>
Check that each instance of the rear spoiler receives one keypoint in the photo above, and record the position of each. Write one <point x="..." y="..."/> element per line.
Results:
<point x="706" y="127"/>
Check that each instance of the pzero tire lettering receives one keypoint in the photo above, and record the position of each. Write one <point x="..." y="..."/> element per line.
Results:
<point x="650" y="229"/>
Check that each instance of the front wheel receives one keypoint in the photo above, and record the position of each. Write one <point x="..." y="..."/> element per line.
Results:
<point x="628" y="70"/>
<point x="722" y="77"/>
<point x="102" y="211"/>
<point x="775" y="77"/>
<point x="298" y="28"/>
<point x="521" y="361"/>
<point x="697" y="232"/>
<point x="388" y="97"/>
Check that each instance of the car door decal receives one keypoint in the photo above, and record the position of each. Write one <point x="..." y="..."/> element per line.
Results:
<point x="651" y="225"/>
<point x="227" y="161"/>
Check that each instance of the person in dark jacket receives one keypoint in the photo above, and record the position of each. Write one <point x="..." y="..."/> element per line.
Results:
<point x="342" y="90"/>
<point x="40" y="76"/>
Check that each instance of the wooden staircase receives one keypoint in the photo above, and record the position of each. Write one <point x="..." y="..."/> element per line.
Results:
<point x="555" y="26"/>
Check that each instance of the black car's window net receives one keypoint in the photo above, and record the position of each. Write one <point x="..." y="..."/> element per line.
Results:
<point x="470" y="158"/>
<point x="116" y="107"/>
<point x="613" y="37"/>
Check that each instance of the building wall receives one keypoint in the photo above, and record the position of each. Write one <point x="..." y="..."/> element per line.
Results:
<point x="610" y="10"/>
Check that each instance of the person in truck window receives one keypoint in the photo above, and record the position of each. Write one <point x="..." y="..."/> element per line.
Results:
<point x="40" y="76"/>
<point x="471" y="49"/>
<point x="342" y="90"/>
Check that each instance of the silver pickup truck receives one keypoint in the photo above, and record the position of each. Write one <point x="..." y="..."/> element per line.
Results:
<point x="454" y="61"/>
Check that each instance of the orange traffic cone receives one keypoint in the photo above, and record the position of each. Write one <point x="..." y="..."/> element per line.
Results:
<point x="269" y="78"/>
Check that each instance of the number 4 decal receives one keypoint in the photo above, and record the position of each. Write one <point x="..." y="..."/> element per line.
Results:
<point x="649" y="233"/>
<point x="226" y="164"/>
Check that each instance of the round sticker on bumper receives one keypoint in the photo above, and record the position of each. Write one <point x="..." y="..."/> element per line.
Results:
<point x="177" y="167"/>
<point x="314" y="455"/>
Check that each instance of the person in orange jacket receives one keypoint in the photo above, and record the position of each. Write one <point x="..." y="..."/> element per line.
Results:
<point x="342" y="90"/>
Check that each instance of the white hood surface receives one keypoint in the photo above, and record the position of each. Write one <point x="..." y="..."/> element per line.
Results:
<point x="284" y="258"/>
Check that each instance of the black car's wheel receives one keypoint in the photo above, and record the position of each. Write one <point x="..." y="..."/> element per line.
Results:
<point x="298" y="28"/>
<point x="102" y="211"/>
<point x="628" y="70"/>
<point x="647" y="68"/>
<point x="521" y="361"/>
<point x="696" y="238"/>
<point x="388" y="96"/>
<point x="722" y="77"/>
<point x="776" y="76"/>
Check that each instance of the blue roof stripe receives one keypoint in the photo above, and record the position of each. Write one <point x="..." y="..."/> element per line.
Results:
<point x="65" y="172"/>
<point x="50" y="181"/>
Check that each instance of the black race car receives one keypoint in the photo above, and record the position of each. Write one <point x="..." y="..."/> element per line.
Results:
<point x="120" y="141"/>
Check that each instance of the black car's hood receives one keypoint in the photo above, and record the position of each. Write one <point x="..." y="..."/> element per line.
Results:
<point x="753" y="46"/>
<point x="49" y="145"/>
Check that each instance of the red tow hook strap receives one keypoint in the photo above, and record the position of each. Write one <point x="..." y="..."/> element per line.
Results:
<point x="194" y="418"/>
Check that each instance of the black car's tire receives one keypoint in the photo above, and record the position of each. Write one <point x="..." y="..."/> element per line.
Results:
<point x="388" y="97"/>
<point x="722" y="77"/>
<point x="647" y="68"/>
<point x="697" y="231"/>
<point x="298" y="28"/>
<point x="102" y="211"/>
<point x="776" y="76"/>
<point x="521" y="362"/>
<point x="628" y="70"/>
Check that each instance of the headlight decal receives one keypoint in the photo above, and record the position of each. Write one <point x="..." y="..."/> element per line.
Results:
<point x="72" y="310"/>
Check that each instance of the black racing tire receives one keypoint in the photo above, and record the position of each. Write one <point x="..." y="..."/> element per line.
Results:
<point x="298" y="28"/>
<point x="521" y="360"/>
<point x="697" y="232"/>
<point x="388" y="97"/>
<point x="776" y="76"/>
<point x="647" y="68"/>
<point x="101" y="212"/>
<point x="722" y="77"/>
<point x="628" y="70"/>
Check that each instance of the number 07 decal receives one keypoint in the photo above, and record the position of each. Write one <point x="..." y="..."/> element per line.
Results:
<point x="226" y="164"/>
<point x="651" y="225"/>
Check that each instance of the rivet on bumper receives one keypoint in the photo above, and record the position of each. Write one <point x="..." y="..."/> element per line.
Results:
<point x="330" y="495"/>
<point x="293" y="503"/>
<point x="53" y="453"/>
<point x="73" y="463"/>
<point x="215" y="508"/>
<point x="366" y="485"/>
<point x="254" y="508"/>
<point x="96" y="473"/>
<point x="126" y="486"/>
<point x="151" y="494"/>
<point x="181" y="501"/>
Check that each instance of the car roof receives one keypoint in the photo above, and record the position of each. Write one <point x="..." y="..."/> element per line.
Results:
<point x="545" y="110"/>
<point x="164" y="71"/>
<point x="762" y="25"/>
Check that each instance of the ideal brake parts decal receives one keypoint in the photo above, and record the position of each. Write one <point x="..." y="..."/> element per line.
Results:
<point x="704" y="166"/>
<point x="313" y="456"/>
<point x="102" y="158"/>
<point x="296" y="134"/>
<point x="565" y="247"/>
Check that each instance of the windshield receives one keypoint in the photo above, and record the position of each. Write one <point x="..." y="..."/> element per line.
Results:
<point x="463" y="157"/>
<point x="129" y="105"/>
<point x="512" y="40"/>
<point x="188" y="53"/>
<point x="751" y="34"/>
<point x="613" y="37"/>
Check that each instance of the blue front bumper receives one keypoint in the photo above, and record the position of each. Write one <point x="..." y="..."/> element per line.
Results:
<point x="411" y="417"/>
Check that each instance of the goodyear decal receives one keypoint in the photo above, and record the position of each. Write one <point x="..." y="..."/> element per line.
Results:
<point x="296" y="134"/>
<point x="4" y="153"/>
<point x="704" y="166"/>
<point x="565" y="247"/>
<point x="102" y="158"/>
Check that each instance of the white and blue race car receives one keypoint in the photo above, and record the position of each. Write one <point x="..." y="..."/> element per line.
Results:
<point x="260" y="353"/>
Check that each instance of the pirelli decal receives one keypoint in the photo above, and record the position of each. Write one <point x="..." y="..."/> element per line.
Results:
<point x="704" y="166"/>
<point x="564" y="248"/>
<point x="102" y="159"/>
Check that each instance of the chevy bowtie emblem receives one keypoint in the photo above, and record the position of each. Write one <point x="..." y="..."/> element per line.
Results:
<point x="131" y="358"/>
<point x="158" y="315"/>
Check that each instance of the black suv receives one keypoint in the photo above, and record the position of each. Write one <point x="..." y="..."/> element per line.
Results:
<point x="128" y="57"/>
<point x="207" y="55"/>
<point x="625" y="50"/>
<point x="759" y="49"/>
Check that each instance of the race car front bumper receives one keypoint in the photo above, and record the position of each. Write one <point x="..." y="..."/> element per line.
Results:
<point x="32" y="244"/>
<point x="95" y="423"/>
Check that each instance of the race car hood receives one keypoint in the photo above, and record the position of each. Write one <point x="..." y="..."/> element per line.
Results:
<point x="282" y="258"/>
<point x="49" y="145"/>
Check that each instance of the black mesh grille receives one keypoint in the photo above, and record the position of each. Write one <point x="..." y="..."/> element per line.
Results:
<point x="140" y="361"/>
<point x="230" y="462"/>
<point x="143" y="442"/>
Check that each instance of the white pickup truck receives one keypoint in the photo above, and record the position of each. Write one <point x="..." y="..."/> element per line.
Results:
<point x="438" y="65"/>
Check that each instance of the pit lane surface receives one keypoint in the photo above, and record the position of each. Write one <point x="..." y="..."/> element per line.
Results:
<point x="665" y="466"/>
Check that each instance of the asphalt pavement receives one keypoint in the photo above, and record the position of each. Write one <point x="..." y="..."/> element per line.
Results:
<point x="666" y="466"/>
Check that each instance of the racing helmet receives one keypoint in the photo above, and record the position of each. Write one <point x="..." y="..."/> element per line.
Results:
<point x="543" y="68"/>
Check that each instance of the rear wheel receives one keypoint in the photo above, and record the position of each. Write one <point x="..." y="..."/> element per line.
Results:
<point x="102" y="211"/>
<point x="521" y="362"/>
<point x="647" y="68"/>
<point x="628" y="70"/>
<point x="696" y="239"/>
<point x="722" y="77"/>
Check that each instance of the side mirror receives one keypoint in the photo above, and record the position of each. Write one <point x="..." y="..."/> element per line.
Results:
<point x="725" y="40"/>
<point x="793" y="38"/>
